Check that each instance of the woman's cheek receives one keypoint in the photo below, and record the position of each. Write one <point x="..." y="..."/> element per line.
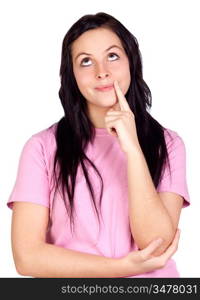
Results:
<point x="86" y="86"/>
<point x="125" y="77"/>
<point x="80" y="79"/>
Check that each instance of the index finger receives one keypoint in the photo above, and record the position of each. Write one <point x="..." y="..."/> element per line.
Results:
<point x="122" y="100"/>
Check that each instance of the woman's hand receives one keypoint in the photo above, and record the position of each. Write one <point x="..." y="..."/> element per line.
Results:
<point x="120" y="122"/>
<point x="142" y="261"/>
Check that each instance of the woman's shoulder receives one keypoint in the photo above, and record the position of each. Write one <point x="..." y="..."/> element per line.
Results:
<point x="169" y="133"/>
<point x="45" y="136"/>
<point x="47" y="133"/>
<point x="173" y="138"/>
<point x="42" y="142"/>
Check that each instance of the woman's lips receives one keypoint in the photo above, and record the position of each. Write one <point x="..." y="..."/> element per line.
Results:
<point x="105" y="88"/>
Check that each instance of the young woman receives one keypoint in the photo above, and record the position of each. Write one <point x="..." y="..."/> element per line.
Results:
<point x="99" y="193"/>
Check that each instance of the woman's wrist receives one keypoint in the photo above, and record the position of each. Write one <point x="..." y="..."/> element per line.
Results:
<point x="124" y="267"/>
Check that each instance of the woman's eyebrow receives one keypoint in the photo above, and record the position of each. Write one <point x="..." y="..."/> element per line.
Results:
<point x="84" y="53"/>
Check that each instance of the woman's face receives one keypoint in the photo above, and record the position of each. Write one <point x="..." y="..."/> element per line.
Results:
<point x="98" y="59"/>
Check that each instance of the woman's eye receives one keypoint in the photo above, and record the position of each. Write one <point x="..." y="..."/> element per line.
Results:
<point x="84" y="62"/>
<point x="87" y="62"/>
<point x="113" y="56"/>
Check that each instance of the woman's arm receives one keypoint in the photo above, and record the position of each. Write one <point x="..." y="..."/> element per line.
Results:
<point x="152" y="215"/>
<point x="34" y="257"/>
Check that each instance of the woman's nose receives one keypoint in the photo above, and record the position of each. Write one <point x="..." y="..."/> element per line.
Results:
<point x="102" y="72"/>
<point x="102" y="75"/>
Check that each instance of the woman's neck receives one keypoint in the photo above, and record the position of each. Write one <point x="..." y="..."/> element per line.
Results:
<point x="97" y="116"/>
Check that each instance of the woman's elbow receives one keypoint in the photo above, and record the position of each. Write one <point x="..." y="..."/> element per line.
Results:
<point x="23" y="263"/>
<point x="21" y="268"/>
<point x="167" y="240"/>
<point x="167" y="237"/>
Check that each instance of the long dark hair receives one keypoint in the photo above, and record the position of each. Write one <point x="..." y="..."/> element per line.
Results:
<point x="75" y="130"/>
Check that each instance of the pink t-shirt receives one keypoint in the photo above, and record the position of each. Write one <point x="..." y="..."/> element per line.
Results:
<point x="34" y="183"/>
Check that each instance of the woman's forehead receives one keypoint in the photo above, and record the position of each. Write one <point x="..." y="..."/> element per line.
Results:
<point x="95" y="40"/>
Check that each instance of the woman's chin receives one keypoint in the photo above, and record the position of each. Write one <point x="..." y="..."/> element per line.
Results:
<point x="108" y="101"/>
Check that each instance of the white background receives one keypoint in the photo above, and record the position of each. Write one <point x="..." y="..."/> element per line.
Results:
<point x="31" y="37"/>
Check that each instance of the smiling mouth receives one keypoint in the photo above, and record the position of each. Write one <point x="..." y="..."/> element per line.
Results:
<point x="104" y="89"/>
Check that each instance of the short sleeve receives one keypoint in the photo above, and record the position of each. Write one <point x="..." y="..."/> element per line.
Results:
<point x="31" y="184"/>
<point x="174" y="179"/>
